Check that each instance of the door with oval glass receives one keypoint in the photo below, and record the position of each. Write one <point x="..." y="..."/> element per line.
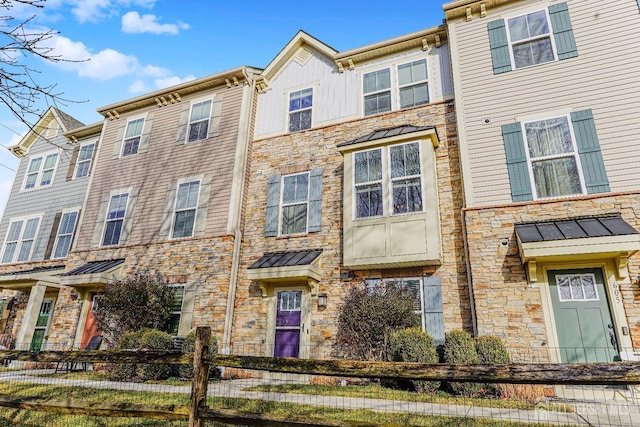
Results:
<point x="582" y="314"/>
<point x="288" y="324"/>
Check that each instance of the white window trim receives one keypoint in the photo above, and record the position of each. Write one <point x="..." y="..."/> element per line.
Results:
<point x="175" y="205"/>
<point x="530" y="39"/>
<point x="75" y="225"/>
<point x="392" y="92"/>
<point x="184" y="290"/>
<point x="399" y="86"/>
<point x="387" y="182"/>
<point x="282" y="204"/>
<point x="193" y="103"/>
<point x="20" y="240"/>
<point x="124" y="137"/>
<point x="575" y="155"/>
<point x="90" y="160"/>
<point x="391" y="180"/>
<point x="106" y="214"/>
<point x="355" y="186"/>
<point x="595" y="284"/>
<point x="288" y="112"/>
<point x="40" y="171"/>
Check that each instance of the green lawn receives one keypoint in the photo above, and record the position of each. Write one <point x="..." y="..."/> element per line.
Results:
<point x="282" y="411"/>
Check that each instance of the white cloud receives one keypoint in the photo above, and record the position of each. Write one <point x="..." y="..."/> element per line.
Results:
<point x="108" y="64"/>
<point x="153" y="71"/>
<point x="103" y="65"/>
<point x="172" y="81"/>
<point x="96" y="10"/>
<point x="133" y="23"/>
<point x="138" y="87"/>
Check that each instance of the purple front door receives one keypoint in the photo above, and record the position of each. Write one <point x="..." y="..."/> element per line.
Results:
<point x="287" y="339"/>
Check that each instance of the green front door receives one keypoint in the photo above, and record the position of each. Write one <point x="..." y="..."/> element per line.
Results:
<point x="42" y="325"/>
<point x="583" y="318"/>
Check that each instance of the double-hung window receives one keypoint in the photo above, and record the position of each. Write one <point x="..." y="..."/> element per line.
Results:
<point x="40" y="171"/>
<point x="115" y="219"/>
<point x="186" y="205"/>
<point x="18" y="244"/>
<point x="64" y="234"/>
<point x="295" y="203"/>
<point x="132" y="136"/>
<point x="553" y="160"/>
<point x="406" y="185"/>
<point x="404" y="180"/>
<point x="300" y="105"/>
<point x="413" y="285"/>
<point x="413" y="83"/>
<point x="199" y="121"/>
<point x="176" y="311"/>
<point x="377" y="91"/>
<point x="368" y="183"/>
<point x="530" y="39"/>
<point x="83" y="163"/>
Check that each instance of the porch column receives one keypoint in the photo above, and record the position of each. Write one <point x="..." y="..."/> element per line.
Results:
<point x="30" y="316"/>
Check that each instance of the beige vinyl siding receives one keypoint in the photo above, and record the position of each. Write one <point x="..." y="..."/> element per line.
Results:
<point x="152" y="173"/>
<point x="603" y="78"/>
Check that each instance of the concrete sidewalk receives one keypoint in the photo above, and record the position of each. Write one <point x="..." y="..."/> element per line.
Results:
<point x="614" y="413"/>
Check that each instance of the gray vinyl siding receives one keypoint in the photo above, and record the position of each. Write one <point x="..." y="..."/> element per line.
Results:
<point x="603" y="78"/>
<point x="62" y="194"/>
<point x="152" y="173"/>
<point x="338" y="96"/>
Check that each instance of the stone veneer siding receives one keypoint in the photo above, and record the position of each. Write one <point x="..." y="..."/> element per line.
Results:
<point x="505" y="304"/>
<point x="313" y="148"/>
<point x="205" y="261"/>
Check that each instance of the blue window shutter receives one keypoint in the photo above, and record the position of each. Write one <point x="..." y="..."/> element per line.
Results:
<point x="433" y="310"/>
<point x="273" y="206"/>
<point x="517" y="162"/>
<point x="595" y="175"/>
<point x="499" y="46"/>
<point x="562" y="31"/>
<point x="315" y="200"/>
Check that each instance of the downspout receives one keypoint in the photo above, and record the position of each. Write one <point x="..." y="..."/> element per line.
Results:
<point x="472" y="302"/>
<point x="235" y="213"/>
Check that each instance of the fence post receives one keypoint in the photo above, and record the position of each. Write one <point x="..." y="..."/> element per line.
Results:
<point x="200" y="375"/>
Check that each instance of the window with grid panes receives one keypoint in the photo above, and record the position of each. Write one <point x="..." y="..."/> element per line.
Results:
<point x="64" y="234"/>
<point x="295" y="203"/>
<point x="184" y="216"/>
<point x="199" y="121"/>
<point x="300" y="105"/>
<point x="83" y="163"/>
<point x="132" y="136"/>
<point x="115" y="219"/>
<point x="40" y="171"/>
<point x="377" y="91"/>
<point x="413" y="84"/>
<point x="19" y="241"/>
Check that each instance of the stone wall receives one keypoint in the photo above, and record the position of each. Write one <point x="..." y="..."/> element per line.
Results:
<point x="314" y="148"/>
<point x="506" y="305"/>
<point x="204" y="261"/>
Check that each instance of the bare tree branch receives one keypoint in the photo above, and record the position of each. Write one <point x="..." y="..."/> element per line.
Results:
<point x="21" y="91"/>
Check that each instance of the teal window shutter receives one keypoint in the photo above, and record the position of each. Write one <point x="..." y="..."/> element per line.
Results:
<point x="562" y="31"/>
<point x="433" y="309"/>
<point x="517" y="162"/>
<point x="315" y="200"/>
<point x="499" y="46"/>
<point x="273" y="206"/>
<point x="595" y="175"/>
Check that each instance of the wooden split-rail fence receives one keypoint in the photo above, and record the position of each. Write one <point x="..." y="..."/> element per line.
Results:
<point x="616" y="373"/>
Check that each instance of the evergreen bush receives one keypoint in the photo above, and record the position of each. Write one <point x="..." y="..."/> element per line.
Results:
<point x="459" y="348"/>
<point x="414" y="345"/>
<point x="188" y="346"/>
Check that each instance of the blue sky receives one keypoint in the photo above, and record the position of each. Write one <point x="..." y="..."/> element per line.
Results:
<point x="129" y="47"/>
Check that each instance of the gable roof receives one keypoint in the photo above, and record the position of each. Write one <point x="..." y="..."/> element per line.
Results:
<point x="65" y="121"/>
<point x="434" y="36"/>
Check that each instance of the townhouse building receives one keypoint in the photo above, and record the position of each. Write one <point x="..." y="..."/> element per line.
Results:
<point x="547" y="99"/>
<point x="39" y="222"/>
<point x="354" y="178"/>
